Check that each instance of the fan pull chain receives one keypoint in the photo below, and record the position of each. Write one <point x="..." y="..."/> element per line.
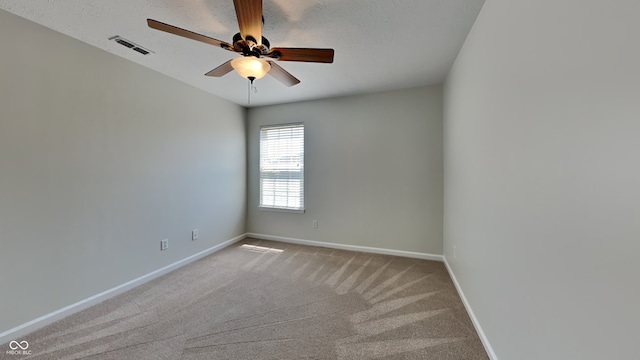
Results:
<point x="251" y="78"/>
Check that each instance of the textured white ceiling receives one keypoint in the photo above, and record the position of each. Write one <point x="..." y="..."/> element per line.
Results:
<point x="379" y="44"/>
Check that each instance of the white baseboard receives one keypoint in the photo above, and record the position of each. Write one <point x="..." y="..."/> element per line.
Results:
<point x="35" y="324"/>
<point x="366" y="249"/>
<point x="474" y="319"/>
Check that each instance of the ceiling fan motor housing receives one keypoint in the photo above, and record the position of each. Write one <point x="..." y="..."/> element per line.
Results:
<point x="250" y="47"/>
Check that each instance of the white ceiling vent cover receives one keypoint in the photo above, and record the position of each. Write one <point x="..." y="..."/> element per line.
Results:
<point x="130" y="44"/>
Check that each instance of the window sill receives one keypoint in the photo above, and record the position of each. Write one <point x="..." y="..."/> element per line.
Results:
<point x="281" y="210"/>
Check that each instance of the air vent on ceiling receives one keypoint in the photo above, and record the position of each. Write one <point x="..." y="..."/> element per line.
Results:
<point x="130" y="44"/>
<point x="125" y="43"/>
<point x="141" y="50"/>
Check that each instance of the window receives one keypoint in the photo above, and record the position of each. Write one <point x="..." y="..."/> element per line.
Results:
<point x="282" y="167"/>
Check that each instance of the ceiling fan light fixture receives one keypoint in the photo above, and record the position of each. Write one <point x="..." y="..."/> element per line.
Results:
<point x="250" y="67"/>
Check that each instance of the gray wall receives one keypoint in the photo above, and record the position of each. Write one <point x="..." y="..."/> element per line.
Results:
<point x="373" y="171"/>
<point x="100" y="159"/>
<point x="542" y="195"/>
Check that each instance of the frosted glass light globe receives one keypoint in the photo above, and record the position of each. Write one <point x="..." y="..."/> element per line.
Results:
<point x="250" y="66"/>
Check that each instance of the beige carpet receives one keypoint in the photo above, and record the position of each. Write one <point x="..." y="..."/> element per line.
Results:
<point x="268" y="300"/>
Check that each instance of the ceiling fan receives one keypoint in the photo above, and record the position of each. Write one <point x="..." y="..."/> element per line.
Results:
<point x="253" y="46"/>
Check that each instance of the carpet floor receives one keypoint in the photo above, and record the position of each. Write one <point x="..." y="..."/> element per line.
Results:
<point x="267" y="300"/>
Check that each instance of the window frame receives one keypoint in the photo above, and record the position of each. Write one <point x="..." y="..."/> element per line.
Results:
<point x="262" y="207"/>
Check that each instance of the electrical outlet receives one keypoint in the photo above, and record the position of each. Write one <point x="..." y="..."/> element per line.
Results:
<point x="164" y="244"/>
<point x="314" y="224"/>
<point x="195" y="235"/>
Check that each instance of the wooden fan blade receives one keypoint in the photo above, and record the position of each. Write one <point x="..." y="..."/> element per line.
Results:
<point x="282" y="75"/>
<point x="154" y="24"/>
<point x="249" y="14"/>
<point x="302" y="54"/>
<point x="221" y="70"/>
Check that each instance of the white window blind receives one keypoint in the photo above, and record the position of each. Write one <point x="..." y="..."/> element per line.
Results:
<point x="282" y="167"/>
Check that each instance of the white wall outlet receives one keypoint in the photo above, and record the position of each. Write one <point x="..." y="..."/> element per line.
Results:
<point x="314" y="224"/>
<point x="195" y="235"/>
<point x="164" y="244"/>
